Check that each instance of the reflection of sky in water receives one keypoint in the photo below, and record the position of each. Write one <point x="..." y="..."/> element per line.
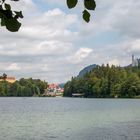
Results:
<point x="69" y="118"/>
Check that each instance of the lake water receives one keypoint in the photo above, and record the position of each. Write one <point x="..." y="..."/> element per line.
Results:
<point x="69" y="119"/>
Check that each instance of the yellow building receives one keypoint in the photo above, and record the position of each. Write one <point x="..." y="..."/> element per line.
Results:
<point x="10" y="79"/>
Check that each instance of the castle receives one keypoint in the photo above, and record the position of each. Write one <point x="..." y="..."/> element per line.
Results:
<point x="135" y="62"/>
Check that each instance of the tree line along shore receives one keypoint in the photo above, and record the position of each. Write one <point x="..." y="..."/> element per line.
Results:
<point x="101" y="82"/>
<point x="106" y="82"/>
<point x="23" y="87"/>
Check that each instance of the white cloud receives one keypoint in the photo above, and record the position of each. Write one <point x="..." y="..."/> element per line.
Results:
<point x="52" y="47"/>
<point x="51" y="25"/>
<point x="55" y="44"/>
<point x="80" y="55"/>
<point x="13" y="67"/>
<point x="126" y="18"/>
<point x="28" y="7"/>
<point x="132" y="47"/>
<point x="114" y="62"/>
<point x="45" y="67"/>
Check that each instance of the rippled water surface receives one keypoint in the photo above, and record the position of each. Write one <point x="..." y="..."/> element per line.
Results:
<point x="69" y="119"/>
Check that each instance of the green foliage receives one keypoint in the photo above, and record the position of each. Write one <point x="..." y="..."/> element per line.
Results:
<point x="4" y="86"/>
<point x="71" y="3"/>
<point x="88" y="5"/>
<point x="9" y="18"/>
<point x="106" y="82"/>
<point x="23" y="87"/>
<point x="12" y="24"/>
<point x="7" y="6"/>
<point x="86" y="15"/>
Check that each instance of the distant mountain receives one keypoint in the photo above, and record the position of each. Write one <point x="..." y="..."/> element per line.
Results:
<point x="86" y="70"/>
<point x="61" y="85"/>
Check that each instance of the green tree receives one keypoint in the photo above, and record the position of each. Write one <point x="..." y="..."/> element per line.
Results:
<point x="3" y="88"/>
<point x="27" y="87"/>
<point x="131" y="87"/>
<point x="68" y="89"/>
<point x="106" y="81"/>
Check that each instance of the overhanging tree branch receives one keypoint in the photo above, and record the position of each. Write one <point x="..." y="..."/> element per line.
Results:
<point x="9" y="18"/>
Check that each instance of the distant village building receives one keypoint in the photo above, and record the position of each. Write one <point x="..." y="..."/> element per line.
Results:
<point x="54" y="90"/>
<point x="53" y="87"/>
<point x="9" y="79"/>
<point x="135" y="62"/>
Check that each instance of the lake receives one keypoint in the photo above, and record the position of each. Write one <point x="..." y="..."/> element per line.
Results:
<point x="69" y="119"/>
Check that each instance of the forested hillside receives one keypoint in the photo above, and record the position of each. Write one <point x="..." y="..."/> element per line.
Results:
<point x="105" y="82"/>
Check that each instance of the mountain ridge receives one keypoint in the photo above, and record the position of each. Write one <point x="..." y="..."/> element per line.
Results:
<point x="86" y="69"/>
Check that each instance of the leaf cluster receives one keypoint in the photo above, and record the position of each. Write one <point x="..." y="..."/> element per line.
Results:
<point x="9" y="18"/>
<point x="88" y="5"/>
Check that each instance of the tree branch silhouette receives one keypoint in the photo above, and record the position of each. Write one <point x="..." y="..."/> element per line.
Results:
<point x="9" y="18"/>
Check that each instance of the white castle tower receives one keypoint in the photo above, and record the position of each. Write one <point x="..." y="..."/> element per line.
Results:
<point x="134" y="61"/>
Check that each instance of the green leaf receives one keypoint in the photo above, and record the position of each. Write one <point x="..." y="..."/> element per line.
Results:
<point x="2" y="22"/>
<point x="19" y="14"/>
<point x="1" y="7"/>
<point x="86" y="15"/>
<point x="90" y="4"/>
<point x="14" y="0"/>
<point x="3" y="1"/>
<point x="7" y="6"/>
<point x="71" y="3"/>
<point x="1" y="14"/>
<point x="7" y="13"/>
<point x="12" y="24"/>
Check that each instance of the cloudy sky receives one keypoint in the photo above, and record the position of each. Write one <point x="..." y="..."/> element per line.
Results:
<point x="54" y="43"/>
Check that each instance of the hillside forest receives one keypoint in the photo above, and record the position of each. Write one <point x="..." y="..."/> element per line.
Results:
<point x="106" y="82"/>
